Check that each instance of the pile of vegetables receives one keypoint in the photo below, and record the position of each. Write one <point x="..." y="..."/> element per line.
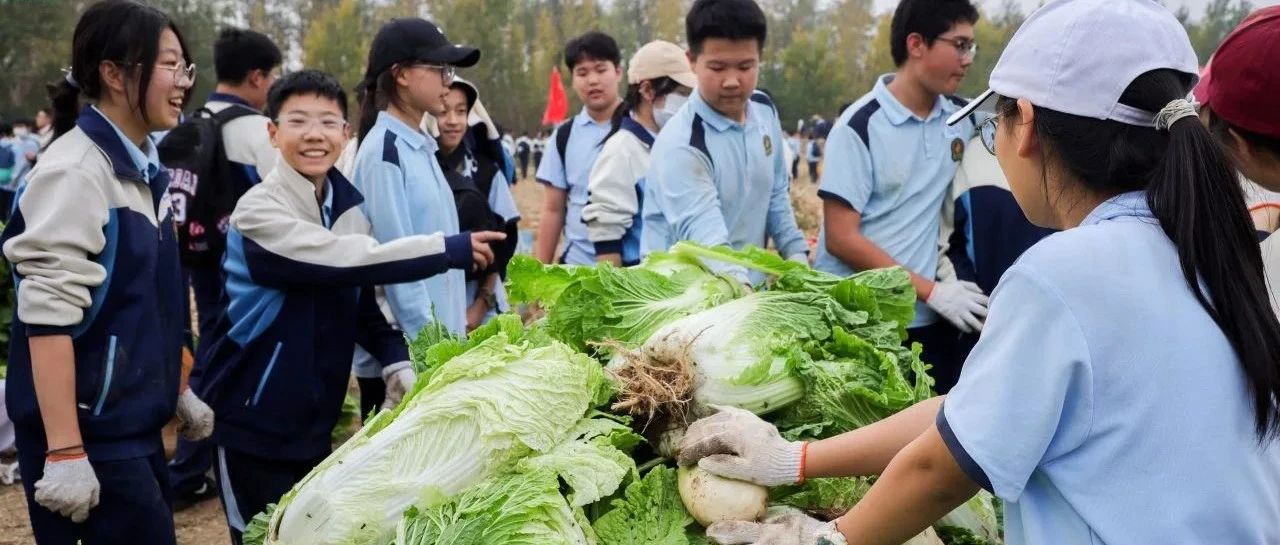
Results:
<point x="532" y="433"/>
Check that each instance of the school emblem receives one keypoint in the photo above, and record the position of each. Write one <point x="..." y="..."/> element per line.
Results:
<point x="768" y="145"/>
<point x="957" y="149"/>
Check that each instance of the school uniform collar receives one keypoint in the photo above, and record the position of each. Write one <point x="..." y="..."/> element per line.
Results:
<point x="897" y="113"/>
<point x="717" y="120"/>
<point x="230" y="99"/>
<point x="641" y="132"/>
<point x="128" y="161"/>
<point x="340" y="196"/>
<point x="412" y="136"/>
<point x="584" y="118"/>
<point x="1125" y="205"/>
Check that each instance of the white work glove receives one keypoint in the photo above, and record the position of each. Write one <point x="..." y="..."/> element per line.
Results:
<point x="69" y="488"/>
<point x="399" y="378"/>
<point x="961" y="303"/>
<point x="739" y="445"/>
<point x="195" y="419"/>
<point x="785" y="526"/>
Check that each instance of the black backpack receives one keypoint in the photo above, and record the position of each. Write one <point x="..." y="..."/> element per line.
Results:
<point x="201" y="184"/>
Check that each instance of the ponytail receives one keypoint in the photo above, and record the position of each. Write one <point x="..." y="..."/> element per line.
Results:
<point x="375" y="94"/>
<point x="1195" y="195"/>
<point x="661" y="86"/>
<point x="1198" y="199"/>
<point x="65" y="98"/>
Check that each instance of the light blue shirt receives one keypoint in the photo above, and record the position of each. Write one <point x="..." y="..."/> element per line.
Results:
<point x="895" y="169"/>
<point x="1104" y="405"/>
<point x="405" y="193"/>
<point x="585" y="141"/>
<point x="146" y="161"/>
<point x="719" y="182"/>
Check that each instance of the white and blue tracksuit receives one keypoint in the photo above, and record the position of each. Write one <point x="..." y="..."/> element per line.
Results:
<point x="616" y="191"/>
<point x="93" y="250"/>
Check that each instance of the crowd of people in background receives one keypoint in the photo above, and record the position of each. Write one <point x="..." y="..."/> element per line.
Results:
<point x="314" y="246"/>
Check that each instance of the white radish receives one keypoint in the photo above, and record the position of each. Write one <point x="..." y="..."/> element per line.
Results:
<point x="711" y="498"/>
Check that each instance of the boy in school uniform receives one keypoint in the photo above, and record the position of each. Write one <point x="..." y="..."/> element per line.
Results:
<point x="300" y="270"/>
<point x="723" y="178"/>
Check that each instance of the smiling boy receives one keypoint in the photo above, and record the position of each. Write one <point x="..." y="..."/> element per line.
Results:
<point x="300" y="268"/>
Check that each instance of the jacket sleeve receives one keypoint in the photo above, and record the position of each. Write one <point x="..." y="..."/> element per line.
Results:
<point x="376" y="335"/>
<point x="612" y="202"/>
<point x="64" y="213"/>
<point x="284" y="251"/>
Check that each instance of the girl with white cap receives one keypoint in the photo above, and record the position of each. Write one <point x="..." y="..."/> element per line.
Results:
<point x="660" y="82"/>
<point x="1125" y="389"/>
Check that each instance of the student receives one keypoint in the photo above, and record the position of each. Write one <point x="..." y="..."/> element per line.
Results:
<point x="246" y="63"/>
<point x="793" y="147"/>
<point x="1073" y="408"/>
<point x="890" y="161"/>
<point x="539" y="144"/>
<point x="44" y="127"/>
<point x="411" y="65"/>
<point x="28" y="147"/>
<point x="723" y="179"/>
<point x="813" y="155"/>
<point x="660" y="82"/>
<point x="524" y="148"/>
<point x="94" y="363"/>
<point x="9" y="150"/>
<point x="571" y="150"/>
<point x="481" y="193"/>
<point x="300" y="271"/>
<point x="1236" y="96"/>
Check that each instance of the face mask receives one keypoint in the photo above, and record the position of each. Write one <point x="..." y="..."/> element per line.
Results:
<point x="20" y="131"/>
<point x="670" y="105"/>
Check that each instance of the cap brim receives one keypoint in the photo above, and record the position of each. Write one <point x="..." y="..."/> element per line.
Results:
<point x="686" y="79"/>
<point x="454" y="55"/>
<point x="1201" y="90"/>
<point x="970" y="107"/>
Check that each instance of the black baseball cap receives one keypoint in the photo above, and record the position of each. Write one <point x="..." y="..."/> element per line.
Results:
<point x="414" y="39"/>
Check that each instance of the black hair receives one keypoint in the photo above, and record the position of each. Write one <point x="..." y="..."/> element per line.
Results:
<point x="929" y="19"/>
<point x="1222" y="129"/>
<point x="237" y="52"/>
<point x="661" y="86"/>
<point x="1197" y="199"/>
<point x="594" y="45"/>
<point x="120" y="31"/>
<point x="304" y="82"/>
<point x="6" y="128"/>
<point x="376" y="95"/>
<point x="732" y="20"/>
<point x="25" y="122"/>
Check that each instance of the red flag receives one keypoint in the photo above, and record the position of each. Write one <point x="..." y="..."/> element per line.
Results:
<point x="557" y="102"/>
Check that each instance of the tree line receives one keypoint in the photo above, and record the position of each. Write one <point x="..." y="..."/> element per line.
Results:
<point x="820" y="55"/>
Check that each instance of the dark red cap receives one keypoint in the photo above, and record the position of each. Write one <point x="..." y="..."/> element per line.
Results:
<point x="1242" y="82"/>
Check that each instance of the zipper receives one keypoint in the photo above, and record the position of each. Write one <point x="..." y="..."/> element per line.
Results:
<point x="262" y="383"/>
<point x="106" y="381"/>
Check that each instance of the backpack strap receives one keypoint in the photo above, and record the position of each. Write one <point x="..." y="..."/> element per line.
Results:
<point x="562" y="141"/>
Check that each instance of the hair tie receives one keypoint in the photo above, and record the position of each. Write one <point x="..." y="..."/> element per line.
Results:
<point x="70" y="79"/>
<point x="1174" y="111"/>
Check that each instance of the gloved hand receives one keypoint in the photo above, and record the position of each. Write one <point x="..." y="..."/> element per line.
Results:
<point x="961" y="303"/>
<point x="195" y="419"/>
<point x="785" y="526"/>
<point x="399" y="378"/>
<point x="739" y="445"/>
<point x="69" y="488"/>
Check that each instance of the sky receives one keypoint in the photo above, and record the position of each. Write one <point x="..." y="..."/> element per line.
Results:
<point x="1196" y="6"/>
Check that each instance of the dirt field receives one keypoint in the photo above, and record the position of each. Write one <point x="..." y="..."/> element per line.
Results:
<point x="204" y="523"/>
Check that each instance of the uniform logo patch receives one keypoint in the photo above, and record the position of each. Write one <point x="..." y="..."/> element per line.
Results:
<point x="957" y="149"/>
<point x="768" y="145"/>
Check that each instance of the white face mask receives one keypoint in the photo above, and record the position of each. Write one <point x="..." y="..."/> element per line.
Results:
<point x="670" y="105"/>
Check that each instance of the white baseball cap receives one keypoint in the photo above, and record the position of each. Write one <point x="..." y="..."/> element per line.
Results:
<point x="661" y="58"/>
<point x="1078" y="56"/>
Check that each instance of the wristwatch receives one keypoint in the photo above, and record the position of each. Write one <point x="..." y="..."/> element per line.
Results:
<point x="829" y="535"/>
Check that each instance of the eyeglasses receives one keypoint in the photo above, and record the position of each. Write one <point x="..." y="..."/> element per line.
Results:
<point x="447" y="73"/>
<point x="180" y="72"/>
<point x="987" y="131"/>
<point x="964" y="46"/>
<point x="302" y="123"/>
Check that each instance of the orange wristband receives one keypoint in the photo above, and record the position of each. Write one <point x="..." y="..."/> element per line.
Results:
<point x="804" y="453"/>
<point x="64" y="457"/>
